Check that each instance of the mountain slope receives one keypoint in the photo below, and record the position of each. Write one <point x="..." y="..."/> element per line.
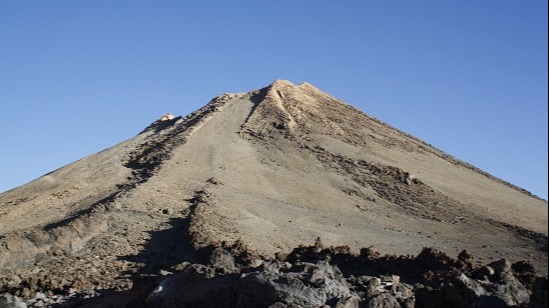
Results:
<point x="265" y="171"/>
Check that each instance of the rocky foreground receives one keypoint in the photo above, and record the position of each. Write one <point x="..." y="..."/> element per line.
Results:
<point x="311" y="276"/>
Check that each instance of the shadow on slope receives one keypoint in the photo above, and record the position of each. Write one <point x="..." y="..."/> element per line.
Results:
<point x="165" y="248"/>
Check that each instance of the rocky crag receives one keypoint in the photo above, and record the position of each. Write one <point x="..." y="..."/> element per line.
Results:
<point x="208" y="209"/>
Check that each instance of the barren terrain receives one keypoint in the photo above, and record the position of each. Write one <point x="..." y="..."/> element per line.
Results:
<point x="266" y="171"/>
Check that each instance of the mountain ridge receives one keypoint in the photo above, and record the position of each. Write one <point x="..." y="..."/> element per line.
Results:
<point x="439" y="152"/>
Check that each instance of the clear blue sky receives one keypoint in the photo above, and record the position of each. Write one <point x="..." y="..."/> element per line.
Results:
<point x="469" y="77"/>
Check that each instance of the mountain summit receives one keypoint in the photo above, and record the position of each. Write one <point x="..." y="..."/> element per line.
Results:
<point x="262" y="172"/>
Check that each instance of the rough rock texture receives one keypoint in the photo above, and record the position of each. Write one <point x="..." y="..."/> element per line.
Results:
<point x="259" y="174"/>
<point x="319" y="277"/>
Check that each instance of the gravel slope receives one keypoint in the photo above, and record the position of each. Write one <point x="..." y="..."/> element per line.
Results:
<point x="269" y="170"/>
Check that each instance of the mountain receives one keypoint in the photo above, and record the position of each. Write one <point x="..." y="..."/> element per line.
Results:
<point x="258" y="173"/>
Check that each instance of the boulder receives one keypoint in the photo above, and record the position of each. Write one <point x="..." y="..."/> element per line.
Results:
<point x="11" y="301"/>
<point x="539" y="293"/>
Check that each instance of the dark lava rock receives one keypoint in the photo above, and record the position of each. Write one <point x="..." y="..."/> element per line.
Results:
<point x="315" y="276"/>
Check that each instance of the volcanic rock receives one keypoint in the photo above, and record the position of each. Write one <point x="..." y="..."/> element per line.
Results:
<point x="227" y="196"/>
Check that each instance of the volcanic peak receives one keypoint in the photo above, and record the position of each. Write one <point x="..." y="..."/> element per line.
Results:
<point x="266" y="170"/>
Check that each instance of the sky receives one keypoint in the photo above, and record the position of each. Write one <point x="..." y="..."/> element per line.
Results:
<point x="468" y="77"/>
